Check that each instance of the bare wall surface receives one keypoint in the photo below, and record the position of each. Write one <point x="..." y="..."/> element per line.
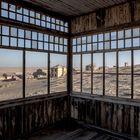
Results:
<point x="126" y="13"/>
<point x="115" y="115"/>
<point x="26" y="117"/>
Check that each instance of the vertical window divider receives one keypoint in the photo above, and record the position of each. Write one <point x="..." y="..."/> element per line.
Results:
<point x="10" y="36"/>
<point x="24" y="72"/>
<point x="0" y="34"/>
<point x="37" y="40"/>
<point x="49" y="73"/>
<point x="117" y="65"/>
<point x="43" y="41"/>
<point x="69" y="63"/>
<point x="31" y="40"/>
<point x="81" y="66"/>
<point x="132" y="67"/>
<point x="0" y="6"/>
<point x="48" y="64"/>
<point x="103" y="65"/>
<point x="17" y="37"/>
<point x="92" y="65"/>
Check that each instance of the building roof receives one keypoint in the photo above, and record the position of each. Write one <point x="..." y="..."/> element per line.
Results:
<point x="58" y="66"/>
<point x="74" y="7"/>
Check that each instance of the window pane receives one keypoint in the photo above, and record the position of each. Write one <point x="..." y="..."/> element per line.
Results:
<point x="84" y="40"/>
<point x="107" y="36"/>
<point x="27" y="44"/>
<point x="28" y="34"/>
<point x="58" y="73"/>
<point x="46" y="46"/>
<point x="19" y="17"/>
<point x="94" y="46"/>
<point x="21" y="33"/>
<point x="136" y="32"/>
<point x="10" y="74"/>
<point x="98" y="73"/>
<point x="136" y="74"/>
<point x="36" y="74"/>
<point x="89" y="47"/>
<point x="21" y="43"/>
<point x="100" y="46"/>
<point x="12" y="7"/>
<point x="78" y="41"/>
<point x="120" y="43"/>
<point x="128" y="33"/>
<point x="4" y="5"/>
<point x="100" y="37"/>
<point x="110" y="74"/>
<point x="5" y="41"/>
<point x="12" y="15"/>
<point x="79" y="48"/>
<point x="120" y="34"/>
<point x="94" y="38"/>
<point x="34" y="44"/>
<point x="88" y="39"/>
<point x="107" y="45"/>
<point x="86" y="75"/>
<point x="40" y="45"/>
<point x="19" y="10"/>
<point x="76" y="73"/>
<point x="4" y="13"/>
<point x="136" y="42"/>
<point x="84" y="48"/>
<point x="113" y="35"/>
<point x="13" y="42"/>
<point x="65" y="41"/>
<point x="14" y="32"/>
<point x="128" y="43"/>
<point x="113" y="44"/>
<point x="5" y="30"/>
<point x="40" y="36"/>
<point x="34" y="35"/>
<point x="124" y="74"/>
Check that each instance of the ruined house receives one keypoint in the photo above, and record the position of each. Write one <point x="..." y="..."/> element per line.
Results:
<point x="69" y="103"/>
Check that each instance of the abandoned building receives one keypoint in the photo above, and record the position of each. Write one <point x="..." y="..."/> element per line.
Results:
<point x="58" y="71"/>
<point x="89" y="67"/>
<point x="62" y="37"/>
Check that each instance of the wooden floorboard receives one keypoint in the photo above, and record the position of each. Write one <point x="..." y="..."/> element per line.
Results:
<point x="78" y="134"/>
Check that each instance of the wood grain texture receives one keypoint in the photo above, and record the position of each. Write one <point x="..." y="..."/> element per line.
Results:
<point x="117" y="117"/>
<point x="24" y="119"/>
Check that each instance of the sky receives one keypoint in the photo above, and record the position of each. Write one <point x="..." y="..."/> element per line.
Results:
<point x="12" y="58"/>
<point x="110" y="59"/>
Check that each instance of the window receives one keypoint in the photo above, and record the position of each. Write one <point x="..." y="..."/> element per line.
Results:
<point x="58" y="73"/>
<point x="16" y="37"/>
<point x="86" y="73"/>
<point x="124" y="82"/>
<point x="110" y="74"/>
<point x="10" y="74"/>
<point x="136" y="74"/>
<point x="113" y="52"/>
<point x="36" y="74"/>
<point x="19" y="13"/>
<point x="76" y="70"/>
<point x="98" y="74"/>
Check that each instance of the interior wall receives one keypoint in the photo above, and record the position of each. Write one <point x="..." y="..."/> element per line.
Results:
<point x="126" y="13"/>
<point x="23" y="118"/>
<point x="112" y="114"/>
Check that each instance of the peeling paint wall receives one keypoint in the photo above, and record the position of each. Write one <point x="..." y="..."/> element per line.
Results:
<point x="126" y="13"/>
<point x="116" y="116"/>
<point x="23" y="119"/>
